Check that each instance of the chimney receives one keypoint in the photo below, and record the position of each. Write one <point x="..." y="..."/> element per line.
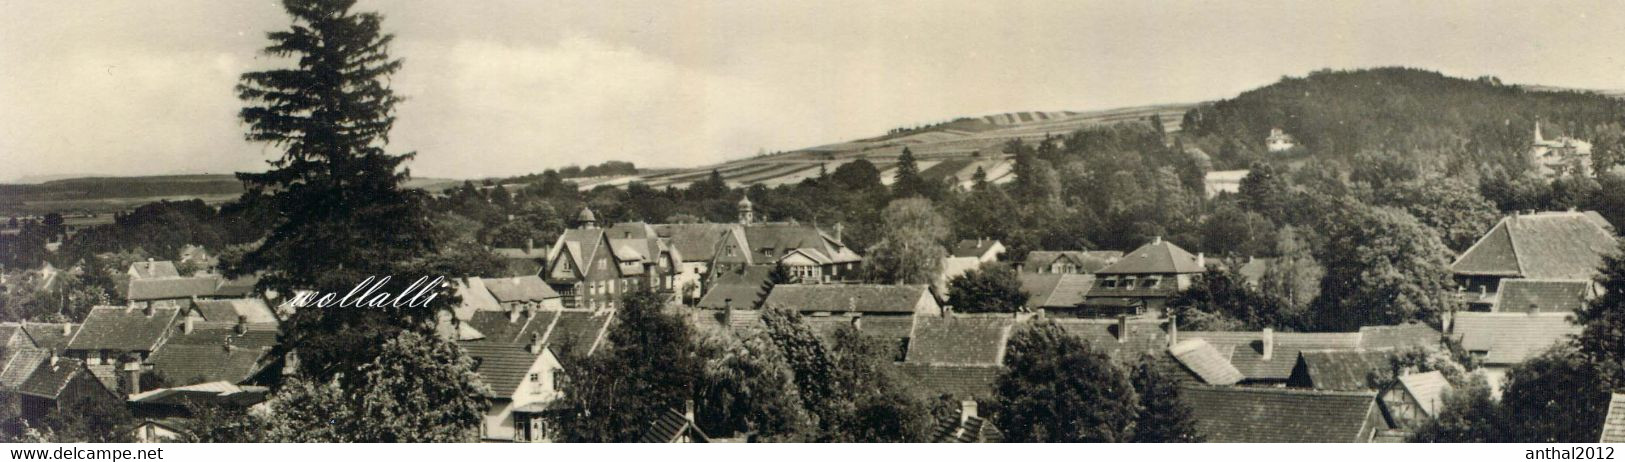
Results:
<point x="688" y="409"/>
<point x="838" y="228"/>
<point x="857" y="322"/>
<point x="187" y="326"/>
<point x="967" y="409"/>
<point x="133" y="371"/>
<point x="1122" y="328"/>
<point x="1156" y="240"/>
<point x="530" y="245"/>
<point x="1173" y="329"/>
<point x="513" y="312"/>
<point x="53" y="357"/>
<point x="242" y="324"/>
<point x="535" y="343"/>
<point x="1269" y="343"/>
<point x="1201" y="260"/>
<point x="728" y="312"/>
<point x="67" y="329"/>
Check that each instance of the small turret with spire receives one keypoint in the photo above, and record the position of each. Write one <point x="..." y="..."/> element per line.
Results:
<point x="586" y="219"/>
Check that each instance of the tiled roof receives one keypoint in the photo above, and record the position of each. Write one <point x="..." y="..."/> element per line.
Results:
<point x="960" y="340"/>
<point x="670" y="426"/>
<point x="501" y="365"/>
<point x="1206" y="362"/>
<point x="48" y="379"/>
<point x="495" y="325"/>
<point x="1429" y="389"/>
<point x="888" y="327"/>
<point x="962" y="382"/>
<point x="579" y="332"/>
<point x="1051" y="290"/>
<point x="20" y="366"/>
<point x="1547" y="245"/>
<point x="53" y="336"/>
<point x="242" y="287"/>
<point x="172" y="288"/>
<point x="1247" y="349"/>
<point x="783" y="237"/>
<point x="223" y="393"/>
<point x="519" y="289"/>
<point x="865" y="298"/>
<point x="744" y="288"/>
<point x="1104" y="336"/>
<point x="1613" y="426"/>
<point x="1279" y="415"/>
<point x="1087" y="261"/>
<point x="1158" y="257"/>
<point x="583" y="245"/>
<point x="1344" y="370"/>
<point x="1541" y="295"/>
<point x="973" y="247"/>
<point x="203" y="356"/>
<point x="697" y="242"/>
<point x="254" y="310"/>
<point x="1400" y="336"/>
<point x="1511" y="338"/>
<point x="474" y="297"/>
<point x="972" y="429"/>
<point x="154" y="269"/>
<point x="123" y="329"/>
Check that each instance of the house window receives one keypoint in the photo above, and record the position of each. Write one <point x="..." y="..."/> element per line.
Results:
<point x="535" y="377"/>
<point x="558" y="374"/>
<point x="1150" y="282"/>
<point x="1109" y="282"/>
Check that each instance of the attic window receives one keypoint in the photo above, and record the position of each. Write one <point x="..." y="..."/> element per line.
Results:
<point x="1150" y="282"/>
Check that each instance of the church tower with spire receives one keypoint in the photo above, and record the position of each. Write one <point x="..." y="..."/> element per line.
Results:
<point x="747" y="212"/>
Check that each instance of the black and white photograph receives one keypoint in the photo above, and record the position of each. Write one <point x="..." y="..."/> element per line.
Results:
<point x="728" y="221"/>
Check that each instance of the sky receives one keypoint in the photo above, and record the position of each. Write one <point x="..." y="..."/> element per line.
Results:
<point x="508" y="87"/>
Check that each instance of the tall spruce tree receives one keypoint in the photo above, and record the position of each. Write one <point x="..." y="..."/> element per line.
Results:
<point x="337" y="191"/>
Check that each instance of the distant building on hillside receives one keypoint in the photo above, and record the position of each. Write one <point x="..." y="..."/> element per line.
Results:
<point x="1279" y="141"/>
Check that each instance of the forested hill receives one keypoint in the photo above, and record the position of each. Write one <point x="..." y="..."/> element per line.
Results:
<point x="1338" y="114"/>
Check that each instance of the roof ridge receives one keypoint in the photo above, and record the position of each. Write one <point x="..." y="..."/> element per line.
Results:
<point x="1284" y="390"/>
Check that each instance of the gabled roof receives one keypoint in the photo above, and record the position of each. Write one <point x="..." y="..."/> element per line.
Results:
<point x="970" y="429"/>
<point x="54" y="336"/>
<point x="744" y="288"/>
<point x="783" y="237"/>
<point x="1088" y="261"/>
<point x="1546" y="245"/>
<point x="1107" y="336"/>
<point x="1158" y="257"/>
<point x="20" y="366"/>
<point x="864" y="298"/>
<point x="1429" y="389"/>
<point x="501" y="365"/>
<point x="497" y="326"/>
<point x="1281" y="415"/>
<point x="1511" y="338"/>
<point x="123" y="329"/>
<point x="48" y="379"/>
<point x="580" y="332"/>
<point x="154" y="269"/>
<point x="581" y="243"/>
<point x="974" y="248"/>
<point x="474" y="297"/>
<point x="221" y="393"/>
<point x="1206" y="362"/>
<point x="962" y="382"/>
<point x="254" y="310"/>
<point x="1542" y="295"/>
<point x="1613" y="426"/>
<point x="696" y="242"/>
<point x="1344" y="370"/>
<point x="1055" y="290"/>
<point x="204" y="356"/>
<point x="172" y="288"/>
<point x="1247" y="349"/>
<point x="519" y="289"/>
<point x="960" y="340"/>
<point x="670" y="426"/>
<point x="1400" y="336"/>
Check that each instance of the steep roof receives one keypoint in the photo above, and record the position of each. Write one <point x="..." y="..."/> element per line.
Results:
<point x="581" y="243"/>
<point x="1344" y="370"/>
<point x="1247" y="349"/>
<point x="204" y="356"/>
<point x="1510" y="338"/>
<point x="971" y="429"/>
<point x="782" y="237"/>
<point x="1613" y="426"/>
<point x="697" y="242"/>
<point x="1089" y="261"/>
<point x="20" y="366"/>
<point x="1052" y="290"/>
<point x="172" y="288"/>
<point x="54" y="336"/>
<point x="960" y="381"/>
<point x="1429" y="389"/>
<point x="1206" y="362"/>
<point x="1546" y="245"/>
<point x="1106" y="336"/>
<point x="960" y="340"/>
<point x="123" y="329"/>
<point x="670" y="426"/>
<point x="973" y="247"/>
<point x="504" y="354"/>
<point x="254" y="310"/>
<point x="1158" y="257"/>
<point x="154" y="269"/>
<point x="501" y="365"/>
<point x="579" y="332"/>
<point x="865" y="298"/>
<point x="1542" y="295"/>
<point x="743" y="287"/>
<point x="1280" y="415"/>
<point x="48" y="379"/>
<point x="519" y="289"/>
